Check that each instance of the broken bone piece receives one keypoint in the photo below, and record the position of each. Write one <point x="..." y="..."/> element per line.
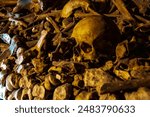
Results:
<point x="74" y="4"/>
<point x="5" y="37"/>
<point x="84" y="95"/>
<point x="142" y="93"/>
<point x="40" y="43"/>
<point x="11" y="50"/>
<point x="120" y="86"/>
<point x="22" y="4"/>
<point x="96" y="77"/>
<point x="62" y="92"/>
<point x="38" y="91"/>
<point x="26" y="94"/>
<point x="123" y="10"/>
<point x="12" y="82"/>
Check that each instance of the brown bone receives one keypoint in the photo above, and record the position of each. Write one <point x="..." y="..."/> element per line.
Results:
<point x="123" y="10"/>
<point x="125" y="85"/>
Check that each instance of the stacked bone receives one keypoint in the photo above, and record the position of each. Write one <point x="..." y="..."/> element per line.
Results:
<point x="74" y="49"/>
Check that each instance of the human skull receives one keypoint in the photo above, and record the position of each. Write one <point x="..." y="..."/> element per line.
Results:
<point x="95" y="35"/>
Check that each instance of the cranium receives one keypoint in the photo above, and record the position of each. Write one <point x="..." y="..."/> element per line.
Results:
<point x="95" y="35"/>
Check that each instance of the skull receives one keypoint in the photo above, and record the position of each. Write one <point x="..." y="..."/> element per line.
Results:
<point x="95" y="34"/>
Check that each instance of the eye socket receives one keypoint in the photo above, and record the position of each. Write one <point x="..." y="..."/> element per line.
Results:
<point x="86" y="47"/>
<point x="123" y="66"/>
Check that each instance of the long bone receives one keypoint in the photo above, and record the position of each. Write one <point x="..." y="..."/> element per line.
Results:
<point x="39" y="44"/>
<point x="123" y="10"/>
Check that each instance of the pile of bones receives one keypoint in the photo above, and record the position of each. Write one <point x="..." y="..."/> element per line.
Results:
<point x="74" y="49"/>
